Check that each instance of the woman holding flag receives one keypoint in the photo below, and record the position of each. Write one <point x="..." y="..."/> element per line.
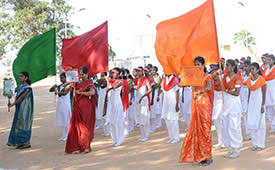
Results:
<point x="197" y="146"/>
<point x="21" y="129"/>
<point x="81" y="129"/>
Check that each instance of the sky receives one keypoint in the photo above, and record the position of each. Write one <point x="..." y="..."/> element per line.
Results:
<point x="132" y="23"/>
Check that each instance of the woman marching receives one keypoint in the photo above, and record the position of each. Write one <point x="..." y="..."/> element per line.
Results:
<point x="232" y="111"/>
<point x="218" y="103"/>
<point x="244" y="91"/>
<point x="197" y="145"/>
<point x="156" y="103"/>
<point x="101" y="91"/>
<point x="269" y="76"/>
<point x="131" y="110"/>
<point x="256" y="113"/>
<point x="63" y="107"/>
<point x="170" y="109"/>
<point x="21" y="129"/>
<point x="81" y="129"/>
<point x="143" y="104"/>
<point x="115" y="113"/>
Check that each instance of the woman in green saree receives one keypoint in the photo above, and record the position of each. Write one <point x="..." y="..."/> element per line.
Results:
<point x="20" y="133"/>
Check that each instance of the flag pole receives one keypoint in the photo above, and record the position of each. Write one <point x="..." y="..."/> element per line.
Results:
<point x="220" y="65"/>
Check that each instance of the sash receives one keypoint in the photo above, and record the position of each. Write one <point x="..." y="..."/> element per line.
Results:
<point x="124" y="92"/>
<point x="142" y="82"/>
<point x="173" y="82"/>
<point x="244" y="82"/>
<point x="236" y="80"/>
<point x="64" y="87"/>
<point x="263" y="69"/>
<point x="151" y="80"/>
<point x="271" y="74"/>
<point x="21" y="89"/>
<point x="218" y="86"/>
<point x="258" y="84"/>
<point x="125" y="95"/>
<point x="113" y="82"/>
<point x="135" y="81"/>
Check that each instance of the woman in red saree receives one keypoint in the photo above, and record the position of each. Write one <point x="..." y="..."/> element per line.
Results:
<point x="81" y="129"/>
<point x="197" y="145"/>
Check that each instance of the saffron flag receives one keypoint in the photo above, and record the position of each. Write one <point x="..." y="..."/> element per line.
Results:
<point x="37" y="57"/>
<point x="180" y="40"/>
<point x="89" y="49"/>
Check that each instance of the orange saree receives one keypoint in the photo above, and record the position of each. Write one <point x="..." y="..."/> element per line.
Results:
<point x="197" y="145"/>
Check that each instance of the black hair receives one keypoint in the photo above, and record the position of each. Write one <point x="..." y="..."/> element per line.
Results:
<point x="248" y="58"/>
<point x="119" y="71"/>
<point x="84" y="69"/>
<point x="247" y="62"/>
<point x="149" y="66"/>
<point x="202" y="61"/>
<point x="233" y="64"/>
<point x="236" y="60"/>
<point x="26" y="74"/>
<point x="266" y="54"/>
<point x="63" y="74"/>
<point x="123" y="74"/>
<point x="257" y="67"/>
<point x="141" y="67"/>
<point x="243" y="59"/>
<point x="110" y="74"/>
<point x="271" y="56"/>
<point x="105" y="73"/>
<point x="130" y="77"/>
<point x="156" y="68"/>
<point x="127" y="71"/>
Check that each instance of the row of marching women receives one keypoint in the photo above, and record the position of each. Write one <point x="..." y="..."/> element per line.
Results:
<point x="245" y="91"/>
<point x="126" y="102"/>
<point x="119" y="102"/>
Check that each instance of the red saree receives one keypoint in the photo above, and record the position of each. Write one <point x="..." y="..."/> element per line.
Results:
<point x="197" y="145"/>
<point x="81" y="129"/>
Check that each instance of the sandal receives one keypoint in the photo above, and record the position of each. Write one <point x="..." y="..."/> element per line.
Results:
<point x="88" y="150"/>
<point x="206" y="162"/>
<point x="25" y="146"/>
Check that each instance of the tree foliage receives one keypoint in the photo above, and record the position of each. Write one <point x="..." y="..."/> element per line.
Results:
<point x="22" y="19"/>
<point x="244" y="38"/>
<point x="112" y="54"/>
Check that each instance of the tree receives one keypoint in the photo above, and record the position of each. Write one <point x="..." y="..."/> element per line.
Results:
<point x="245" y="38"/>
<point x="112" y="54"/>
<point x="23" y="19"/>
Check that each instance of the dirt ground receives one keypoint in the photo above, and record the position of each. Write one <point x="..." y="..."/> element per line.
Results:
<point x="48" y="153"/>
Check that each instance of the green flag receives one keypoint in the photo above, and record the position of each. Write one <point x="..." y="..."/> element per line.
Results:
<point x="37" y="56"/>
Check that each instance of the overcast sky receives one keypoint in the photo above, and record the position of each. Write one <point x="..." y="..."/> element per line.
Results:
<point x="132" y="22"/>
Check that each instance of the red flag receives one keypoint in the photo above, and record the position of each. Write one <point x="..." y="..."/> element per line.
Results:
<point x="180" y="40"/>
<point x="89" y="49"/>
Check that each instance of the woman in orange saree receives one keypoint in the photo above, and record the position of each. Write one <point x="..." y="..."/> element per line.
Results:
<point x="81" y="129"/>
<point x="197" y="145"/>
